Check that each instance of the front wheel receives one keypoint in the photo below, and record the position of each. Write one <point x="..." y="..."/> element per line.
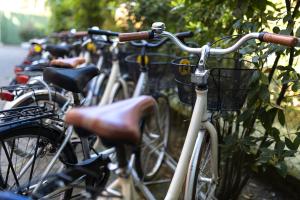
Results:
<point x="151" y="152"/>
<point x="199" y="182"/>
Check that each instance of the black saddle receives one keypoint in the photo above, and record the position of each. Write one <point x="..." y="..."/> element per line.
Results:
<point x="58" y="50"/>
<point x="38" y="67"/>
<point x="73" y="80"/>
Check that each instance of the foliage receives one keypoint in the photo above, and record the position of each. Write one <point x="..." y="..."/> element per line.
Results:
<point x="29" y="31"/>
<point x="78" y="14"/>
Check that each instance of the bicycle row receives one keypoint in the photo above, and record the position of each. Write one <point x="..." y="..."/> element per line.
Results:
<point x="71" y="122"/>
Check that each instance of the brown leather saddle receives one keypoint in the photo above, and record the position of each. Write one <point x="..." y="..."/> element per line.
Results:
<point x="117" y="123"/>
<point x="67" y="62"/>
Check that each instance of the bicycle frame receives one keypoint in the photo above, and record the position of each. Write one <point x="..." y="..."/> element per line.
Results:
<point x="185" y="163"/>
<point x="199" y="115"/>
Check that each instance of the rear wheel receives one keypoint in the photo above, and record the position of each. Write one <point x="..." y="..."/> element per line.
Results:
<point x="39" y="99"/>
<point x="38" y="144"/>
<point x="151" y="152"/>
<point x="199" y="184"/>
<point x="119" y="93"/>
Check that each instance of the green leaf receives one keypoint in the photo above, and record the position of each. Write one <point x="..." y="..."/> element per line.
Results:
<point x="264" y="93"/>
<point x="264" y="79"/>
<point x="298" y="32"/>
<point x="245" y="116"/>
<point x="286" y="18"/>
<point x="291" y="145"/>
<point x="266" y="155"/>
<point x="281" y="117"/>
<point x="237" y="24"/>
<point x="281" y="168"/>
<point x="274" y="132"/>
<point x="255" y="76"/>
<point x="279" y="146"/>
<point x="296" y="86"/>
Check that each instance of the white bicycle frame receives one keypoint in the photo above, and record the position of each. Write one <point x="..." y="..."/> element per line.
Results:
<point x="199" y="122"/>
<point x="114" y="81"/>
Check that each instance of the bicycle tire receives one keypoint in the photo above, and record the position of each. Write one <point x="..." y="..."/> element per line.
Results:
<point x="48" y="134"/>
<point x="58" y="100"/>
<point x="200" y="165"/>
<point x="152" y="169"/>
<point x="118" y="92"/>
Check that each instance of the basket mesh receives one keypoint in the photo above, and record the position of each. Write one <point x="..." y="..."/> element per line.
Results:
<point x="227" y="87"/>
<point x="159" y="70"/>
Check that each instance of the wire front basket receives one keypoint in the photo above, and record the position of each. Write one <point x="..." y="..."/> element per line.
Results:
<point x="228" y="82"/>
<point x="26" y="114"/>
<point x="159" y="69"/>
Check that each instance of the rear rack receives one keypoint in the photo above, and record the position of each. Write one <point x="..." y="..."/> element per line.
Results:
<point x="27" y="113"/>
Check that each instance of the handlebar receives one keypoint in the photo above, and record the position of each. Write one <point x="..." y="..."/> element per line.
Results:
<point x="143" y="35"/>
<point x="285" y="40"/>
<point x="79" y="34"/>
<point x="180" y="36"/>
<point x="102" y="32"/>
<point x="263" y="36"/>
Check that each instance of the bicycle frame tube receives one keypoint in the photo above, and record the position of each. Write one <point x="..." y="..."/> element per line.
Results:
<point x="199" y="114"/>
<point x="113" y="77"/>
<point x="141" y="84"/>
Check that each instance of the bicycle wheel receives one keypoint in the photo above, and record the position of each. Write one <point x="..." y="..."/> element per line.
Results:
<point x="119" y="93"/>
<point x="150" y="153"/>
<point x="198" y="183"/>
<point x="40" y="143"/>
<point x="39" y="99"/>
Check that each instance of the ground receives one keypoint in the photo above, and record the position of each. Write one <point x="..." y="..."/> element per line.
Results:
<point x="9" y="57"/>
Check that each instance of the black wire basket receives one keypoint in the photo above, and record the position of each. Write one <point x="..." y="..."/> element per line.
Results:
<point x="159" y="69"/>
<point x="228" y="82"/>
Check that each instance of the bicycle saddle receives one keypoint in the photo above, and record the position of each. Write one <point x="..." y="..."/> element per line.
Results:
<point x="118" y="123"/>
<point x="58" y="50"/>
<point x="73" y="80"/>
<point x="67" y="62"/>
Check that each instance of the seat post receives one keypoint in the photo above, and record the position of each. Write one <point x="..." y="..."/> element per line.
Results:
<point x="121" y="156"/>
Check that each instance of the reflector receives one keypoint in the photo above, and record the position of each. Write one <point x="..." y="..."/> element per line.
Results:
<point x="6" y="96"/>
<point x="18" y="69"/>
<point x="22" y="79"/>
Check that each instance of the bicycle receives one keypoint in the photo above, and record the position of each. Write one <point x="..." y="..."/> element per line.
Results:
<point x="201" y="143"/>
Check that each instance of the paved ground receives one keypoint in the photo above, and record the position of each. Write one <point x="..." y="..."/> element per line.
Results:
<point x="9" y="57"/>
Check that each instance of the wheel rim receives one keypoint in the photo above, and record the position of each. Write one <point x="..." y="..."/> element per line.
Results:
<point x="27" y="170"/>
<point x="205" y="188"/>
<point x="154" y="145"/>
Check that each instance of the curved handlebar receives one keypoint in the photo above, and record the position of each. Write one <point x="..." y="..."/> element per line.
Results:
<point x="180" y="36"/>
<point x="263" y="36"/>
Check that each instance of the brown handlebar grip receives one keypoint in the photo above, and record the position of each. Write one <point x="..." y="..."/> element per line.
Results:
<point x="143" y="35"/>
<point x="81" y="34"/>
<point x="279" y="39"/>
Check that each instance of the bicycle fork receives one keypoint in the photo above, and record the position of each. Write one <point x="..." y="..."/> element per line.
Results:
<point x="198" y="121"/>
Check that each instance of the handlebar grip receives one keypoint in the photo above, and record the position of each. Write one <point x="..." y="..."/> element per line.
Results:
<point x="80" y="34"/>
<point x="102" y="32"/>
<point x="183" y="35"/>
<point x="285" y="40"/>
<point x="143" y="35"/>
